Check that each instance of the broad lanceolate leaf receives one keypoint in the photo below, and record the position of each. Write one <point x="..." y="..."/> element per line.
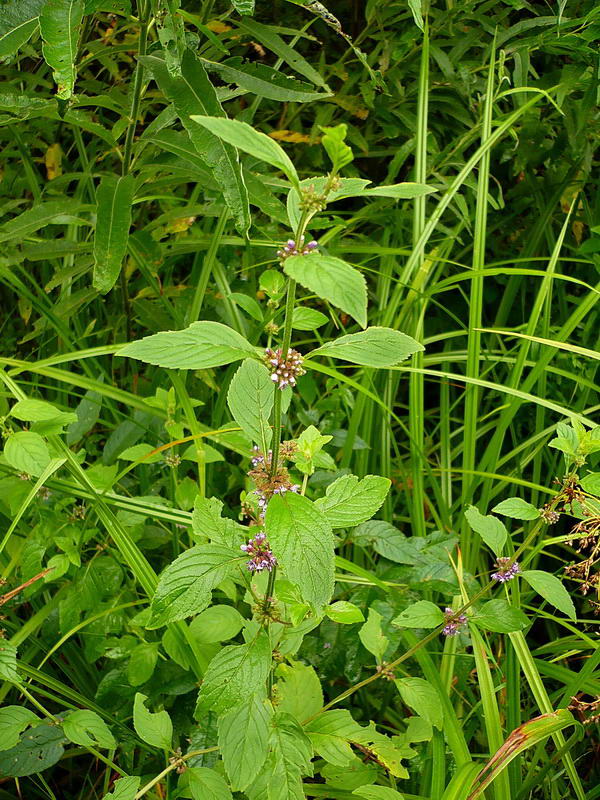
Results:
<point x="372" y="637"/>
<point x="423" y="698"/>
<point x="39" y="749"/>
<point x="203" y="783"/>
<point x="171" y="34"/>
<point x="192" y="94"/>
<point x="245" y="138"/>
<point x="373" y="347"/>
<point x="516" y="508"/>
<point x="42" y="214"/>
<point x="235" y="671"/>
<point x="39" y="411"/>
<point x="184" y="588"/>
<point x="18" y="20"/>
<point x="154" y="728"/>
<point x="60" y="24"/>
<point x="250" y="399"/>
<point x="87" y="728"/>
<point x="422" y="614"/>
<point x="491" y="530"/>
<point x="302" y="541"/>
<point x="124" y="789"/>
<point x="14" y="720"/>
<point x="27" y="452"/>
<point x="264" y="81"/>
<point x="350" y="501"/>
<point x="376" y="792"/>
<point x="333" y="280"/>
<point x="344" y="612"/>
<point x="114" y="198"/>
<point x="244" y="740"/>
<point x="201" y="346"/>
<point x="289" y="760"/>
<point x="500" y="616"/>
<point x="551" y="589"/>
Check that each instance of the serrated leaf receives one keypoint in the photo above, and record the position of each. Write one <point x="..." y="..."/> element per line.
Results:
<point x="27" y="452"/>
<point x="373" y="347"/>
<point x="244" y="740"/>
<point x="207" y="521"/>
<point x="307" y="319"/>
<point x="114" y="200"/>
<point x="193" y="94"/>
<point x="124" y="789"/>
<point x="18" y="21"/>
<point x="500" y="616"/>
<point x="155" y="729"/>
<point x="491" y="530"/>
<point x="299" y="691"/>
<point x="185" y="586"/>
<point x="88" y="729"/>
<point x="39" y="749"/>
<point x="60" y="25"/>
<point x="372" y="636"/>
<point x="14" y="720"/>
<point x="344" y="612"/>
<point x="423" y="698"/>
<point x="302" y="541"/>
<point x="232" y="671"/>
<point x="264" y="81"/>
<point x="551" y="589"/>
<point x="246" y="138"/>
<point x="349" y="501"/>
<point x="289" y="760"/>
<point x="201" y="346"/>
<point x="40" y="411"/>
<point x="333" y="280"/>
<point x="516" y="508"/>
<point x="203" y="783"/>
<point x="250" y="399"/>
<point x="422" y="614"/>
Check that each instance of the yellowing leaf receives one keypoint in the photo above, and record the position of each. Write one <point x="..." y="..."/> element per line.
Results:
<point x="289" y="136"/>
<point x="53" y="161"/>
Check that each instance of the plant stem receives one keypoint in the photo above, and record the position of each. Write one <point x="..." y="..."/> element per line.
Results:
<point x="176" y="763"/>
<point x="285" y="346"/>
<point x="143" y="13"/>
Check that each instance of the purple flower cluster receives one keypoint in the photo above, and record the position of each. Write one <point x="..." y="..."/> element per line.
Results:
<point x="258" y="457"/>
<point x="291" y="248"/>
<point x="284" y="371"/>
<point x="260" y="554"/>
<point x="454" y="622"/>
<point x="506" y="570"/>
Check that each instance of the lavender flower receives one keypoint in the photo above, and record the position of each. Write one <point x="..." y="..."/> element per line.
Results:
<point x="454" y="622"/>
<point x="284" y="371"/>
<point x="506" y="570"/>
<point x="291" y="248"/>
<point x="260" y="554"/>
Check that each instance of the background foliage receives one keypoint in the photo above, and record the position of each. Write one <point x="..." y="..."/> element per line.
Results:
<point x="121" y="218"/>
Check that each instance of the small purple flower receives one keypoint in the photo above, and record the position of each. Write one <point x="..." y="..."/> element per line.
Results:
<point x="260" y="554"/>
<point x="284" y="371"/>
<point x="293" y="248"/>
<point x="454" y="622"/>
<point x="506" y="570"/>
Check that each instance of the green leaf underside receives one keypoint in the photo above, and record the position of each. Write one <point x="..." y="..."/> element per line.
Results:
<point x="423" y="698"/>
<point x="18" y="21"/>
<point x="422" y="614"/>
<point x="349" y="501"/>
<point x="302" y="541"/>
<point x="13" y="721"/>
<point x="516" y="508"/>
<point x="154" y="728"/>
<point x="87" y="728"/>
<point x="373" y="347"/>
<point x="114" y="198"/>
<point x="264" y="81"/>
<point x="490" y="528"/>
<point x="500" y="616"/>
<point x="27" y="452"/>
<point x="60" y="24"/>
<point x="551" y="589"/>
<point x="185" y="587"/>
<point x="250" y="400"/>
<point x="333" y="280"/>
<point x="124" y="789"/>
<point x="201" y="346"/>
<point x="244" y="739"/>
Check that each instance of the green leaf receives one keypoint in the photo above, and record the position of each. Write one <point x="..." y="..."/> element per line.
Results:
<point x="500" y="616"/>
<point x="202" y="783"/>
<point x="88" y="729"/>
<point x="27" y="452"/>
<point x="124" y="789"/>
<point x="289" y="760"/>
<point x="88" y="414"/>
<point x="193" y="94"/>
<point x="334" y="142"/>
<point x="13" y="721"/>
<point x="60" y="25"/>
<point x="373" y="347"/>
<point x="491" y="530"/>
<point x="423" y="698"/>
<point x="171" y="34"/>
<point x="349" y="501"/>
<point x="516" y="508"/>
<point x="201" y="346"/>
<point x="139" y="451"/>
<point x="330" y="734"/>
<point x="207" y="522"/>
<point x="40" y="411"/>
<point x="244" y="740"/>
<point x="378" y="793"/>
<point x="264" y="81"/>
<point x="155" y="729"/>
<point x="333" y="280"/>
<point x="249" y="140"/>
<point x="250" y="399"/>
<point x="302" y="541"/>
<point x="18" y="21"/>
<point x="591" y="483"/>
<point x="184" y="588"/>
<point x="243" y="6"/>
<point x="307" y="319"/>
<point x="344" y="612"/>
<point x="216" y="624"/>
<point x="39" y="749"/>
<point x="248" y="304"/>
<point x="114" y="200"/>
<point x="232" y="673"/>
<point x="417" y="12"/>
<point x="141" y="663"/>
<point x="299" y="691"/>
<point x="399" y="191"/>
<point x="422" y="614"/>
<point x="54" y="212"/>
<point x="551" y="589"/>
<point x="372" y="637"/>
